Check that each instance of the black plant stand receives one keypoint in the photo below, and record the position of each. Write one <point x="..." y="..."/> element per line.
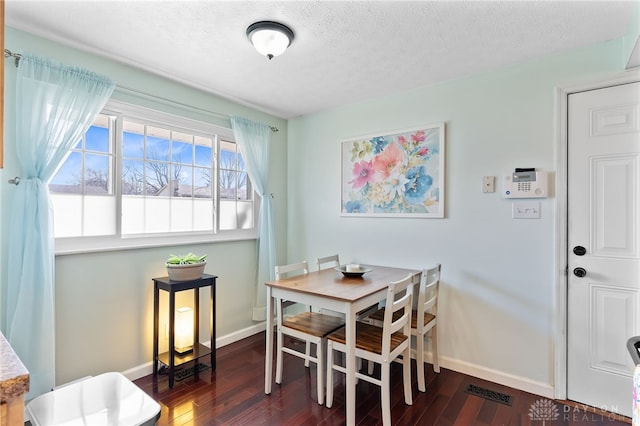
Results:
<point x="171" y="358"/>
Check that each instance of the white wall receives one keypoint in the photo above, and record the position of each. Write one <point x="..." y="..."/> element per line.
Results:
<point x="104" y="301"/>
<point x="497" y="304"/>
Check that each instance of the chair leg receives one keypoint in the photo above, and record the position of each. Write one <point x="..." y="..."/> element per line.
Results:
<point x="422" y="387"/>
<point x="320" y="348"/>
<point x="385" y="393"/>
<point x="307" y="351"/>
<point x="278" y="357"/>
<point x="329" y="395"/>
<point x="406" y="376"/>
<point x="434" y="348"/>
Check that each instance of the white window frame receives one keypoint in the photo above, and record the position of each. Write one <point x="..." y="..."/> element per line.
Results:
<point x="72" y="245"/>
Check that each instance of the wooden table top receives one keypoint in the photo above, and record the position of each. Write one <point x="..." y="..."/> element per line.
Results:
<point x="334" y="285"/>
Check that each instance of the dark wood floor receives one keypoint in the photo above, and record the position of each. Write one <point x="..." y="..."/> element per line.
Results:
<point x="234" y="395"/>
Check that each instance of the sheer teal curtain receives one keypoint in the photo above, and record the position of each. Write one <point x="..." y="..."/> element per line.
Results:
<point x="253" y="140"/>
<point x="55" y="105"/>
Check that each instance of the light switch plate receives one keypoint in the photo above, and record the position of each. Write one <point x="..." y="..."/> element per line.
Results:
<point x="525" y="210"/>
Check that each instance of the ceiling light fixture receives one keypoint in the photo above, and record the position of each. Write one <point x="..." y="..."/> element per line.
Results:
<point x="270" y="38"/>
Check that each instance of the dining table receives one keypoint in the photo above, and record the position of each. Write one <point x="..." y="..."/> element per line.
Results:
<point x="334" y="290"/>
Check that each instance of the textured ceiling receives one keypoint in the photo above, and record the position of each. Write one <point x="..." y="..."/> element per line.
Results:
<point x="344" y="51"/>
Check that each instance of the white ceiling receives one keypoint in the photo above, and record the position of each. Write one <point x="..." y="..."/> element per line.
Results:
<point x="344" y="51"/>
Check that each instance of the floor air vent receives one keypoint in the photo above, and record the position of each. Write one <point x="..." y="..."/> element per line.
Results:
<point x="489" y="394"/>
<point x="183" y="372"/>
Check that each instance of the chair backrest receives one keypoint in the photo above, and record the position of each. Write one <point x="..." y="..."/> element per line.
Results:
<point x="333" y="260"/>
<point x="428" y="293"/>
<point x="284" y="271"/>
<point x="399" y="298"/>
<point x="300" y="268"/>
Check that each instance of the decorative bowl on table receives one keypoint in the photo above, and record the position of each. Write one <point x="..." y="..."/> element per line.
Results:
<point x="352" y="270"/>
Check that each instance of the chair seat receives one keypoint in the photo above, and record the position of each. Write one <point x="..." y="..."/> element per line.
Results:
<point x="379" y="316"/>
<point x="368" y="338"/>
<point x="314" y="323"/>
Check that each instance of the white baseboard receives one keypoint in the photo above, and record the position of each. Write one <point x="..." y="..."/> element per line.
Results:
<point x="140" y="371"/>
<point x="239" y="335"/>
<point x="517" y="382"/>
<point x="146" y="369"/>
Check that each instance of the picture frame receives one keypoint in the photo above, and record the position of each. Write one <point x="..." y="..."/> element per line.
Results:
<point x="394" y="174"/>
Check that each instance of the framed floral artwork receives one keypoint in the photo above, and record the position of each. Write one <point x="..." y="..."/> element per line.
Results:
<point x="399" y="174"/>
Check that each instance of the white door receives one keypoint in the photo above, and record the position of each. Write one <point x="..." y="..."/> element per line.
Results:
<point x="603" y="242"/>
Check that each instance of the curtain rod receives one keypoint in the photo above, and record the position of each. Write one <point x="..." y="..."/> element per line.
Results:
<point x="17" y="56"/>
<point x="274" y="129"/>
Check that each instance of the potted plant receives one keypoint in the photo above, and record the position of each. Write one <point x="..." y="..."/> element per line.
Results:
<point x="185" y="267"/>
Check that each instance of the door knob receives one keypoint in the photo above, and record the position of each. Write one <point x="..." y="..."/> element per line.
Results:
<point x="579" y="272"/>
<point x="579" y="251"/>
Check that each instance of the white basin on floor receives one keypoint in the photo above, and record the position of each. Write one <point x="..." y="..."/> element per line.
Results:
<point x="108" y="399"/>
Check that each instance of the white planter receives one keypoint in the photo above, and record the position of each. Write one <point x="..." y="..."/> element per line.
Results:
<point x="187" y="272"/>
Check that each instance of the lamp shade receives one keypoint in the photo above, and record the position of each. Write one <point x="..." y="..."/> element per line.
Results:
<point x="184" y="330"/>
<point x="270" y="38"/>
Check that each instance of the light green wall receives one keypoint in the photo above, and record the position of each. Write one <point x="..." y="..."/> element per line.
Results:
<point x="104" y="301"/>
<point x="498" y="273"/>
<point x="632" y="36"/>
<point x="497" y="301"/>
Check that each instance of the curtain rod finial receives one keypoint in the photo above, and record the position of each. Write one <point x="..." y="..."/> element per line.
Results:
<point x="9" y="54"/>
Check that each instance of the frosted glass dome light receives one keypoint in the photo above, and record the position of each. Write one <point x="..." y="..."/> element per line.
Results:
<point x="270" y="38"/>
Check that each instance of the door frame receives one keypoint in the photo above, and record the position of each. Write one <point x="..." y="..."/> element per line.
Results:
<point x="561" y="299"/>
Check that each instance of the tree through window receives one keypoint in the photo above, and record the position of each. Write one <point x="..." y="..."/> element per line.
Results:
<point x="174" y="176"/>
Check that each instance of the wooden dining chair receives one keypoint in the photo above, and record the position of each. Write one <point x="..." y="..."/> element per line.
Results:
<point x="423" y="321"/>
<point x="334" y="261"/>
<point x="310" y="327"/>
<point x="282" y="271"/>
<point x="331" y="261"/>
<point x="380" y="345"/>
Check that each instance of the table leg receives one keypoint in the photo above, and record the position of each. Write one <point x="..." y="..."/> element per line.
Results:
<point x="268" y="356"/>
<point x="156" y="306"/>
<point x="172" y="318"/>
<point x="212" y="326"/>
<point x="350" y="334"/>
<point x="196" y="322"/>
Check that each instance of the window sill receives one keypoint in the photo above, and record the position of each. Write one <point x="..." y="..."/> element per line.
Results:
<point x="93" y="245"/>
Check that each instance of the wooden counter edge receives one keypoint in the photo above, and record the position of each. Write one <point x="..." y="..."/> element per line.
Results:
<point x="14" y="384"/>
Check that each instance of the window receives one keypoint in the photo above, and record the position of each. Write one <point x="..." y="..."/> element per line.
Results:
<point x="139" y="176"/>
